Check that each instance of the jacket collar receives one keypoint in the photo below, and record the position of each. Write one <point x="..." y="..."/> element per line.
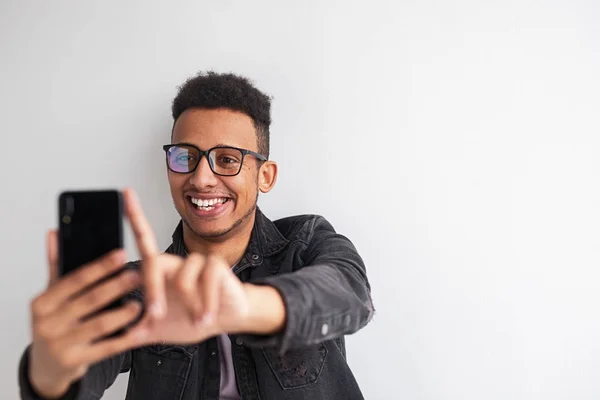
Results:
<point x="265" y="241"/>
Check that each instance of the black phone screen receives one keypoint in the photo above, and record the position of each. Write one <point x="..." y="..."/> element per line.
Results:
<point x="90" y="225"/>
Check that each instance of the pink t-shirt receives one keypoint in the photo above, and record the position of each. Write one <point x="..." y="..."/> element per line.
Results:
<point x="229" y="389"/>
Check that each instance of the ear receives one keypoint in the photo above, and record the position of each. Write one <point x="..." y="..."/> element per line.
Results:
<point x="267" y="176"/>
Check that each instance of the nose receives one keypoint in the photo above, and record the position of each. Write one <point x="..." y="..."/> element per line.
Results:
<point x="203" y="176"/>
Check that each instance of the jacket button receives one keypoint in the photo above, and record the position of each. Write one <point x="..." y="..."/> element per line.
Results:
<point x="255" y="256"/>
<point x="324" y="329"/>
<point x="159" y="362"/>
<point x="239" y="341"/>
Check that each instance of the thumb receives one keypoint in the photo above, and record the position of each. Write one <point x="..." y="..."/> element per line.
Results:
<point x="52" y="254"/>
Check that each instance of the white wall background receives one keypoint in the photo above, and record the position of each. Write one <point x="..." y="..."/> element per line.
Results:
<point x="455" y="142"/>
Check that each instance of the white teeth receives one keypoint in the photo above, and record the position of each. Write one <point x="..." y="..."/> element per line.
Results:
<point x="208" y="203"/>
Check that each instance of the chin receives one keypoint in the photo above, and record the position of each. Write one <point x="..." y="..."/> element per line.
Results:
<point x="214" y="224"/>
<point x="210" y="232"/>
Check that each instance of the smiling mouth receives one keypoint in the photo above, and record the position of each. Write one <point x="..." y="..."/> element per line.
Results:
<point x="208" y="204"/>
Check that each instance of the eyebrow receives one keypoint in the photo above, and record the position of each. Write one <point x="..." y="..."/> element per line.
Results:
<point x="217" y="145"/>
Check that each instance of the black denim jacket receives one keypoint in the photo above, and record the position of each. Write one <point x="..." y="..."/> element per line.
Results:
<point x="324" y="285"/>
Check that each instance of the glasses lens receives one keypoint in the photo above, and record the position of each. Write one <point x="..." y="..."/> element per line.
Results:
<point x="182" y="158"/>
<point x="225" y="160"/>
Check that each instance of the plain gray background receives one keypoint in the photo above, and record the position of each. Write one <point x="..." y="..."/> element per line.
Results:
<point x="455" y="142"/>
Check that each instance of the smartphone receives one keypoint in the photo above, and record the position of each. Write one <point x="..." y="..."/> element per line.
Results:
<point x="90" y="226"/>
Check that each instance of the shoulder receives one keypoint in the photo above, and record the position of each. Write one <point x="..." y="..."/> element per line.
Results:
<point x="302" y="226"/>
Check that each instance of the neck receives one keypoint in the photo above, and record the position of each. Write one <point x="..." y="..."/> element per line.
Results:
<point x="231" y="246"/>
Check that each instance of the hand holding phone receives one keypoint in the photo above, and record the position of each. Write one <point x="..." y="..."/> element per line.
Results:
<point x="74" y="320"/>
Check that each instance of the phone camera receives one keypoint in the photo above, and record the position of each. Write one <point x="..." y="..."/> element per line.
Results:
<point x="69" y="206"/>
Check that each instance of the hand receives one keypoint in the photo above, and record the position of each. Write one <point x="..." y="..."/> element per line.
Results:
<point x="64" y="344"/>
<point x="203" y="298"/>
<point x="214" y="302"/>
<point x="192" y="299"/>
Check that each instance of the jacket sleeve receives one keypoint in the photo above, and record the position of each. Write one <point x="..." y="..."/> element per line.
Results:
<point x="91" y="387"/>
<point x="328" y="297"/>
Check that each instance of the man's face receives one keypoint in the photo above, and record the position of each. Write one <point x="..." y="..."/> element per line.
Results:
<point x="233" y="198"/>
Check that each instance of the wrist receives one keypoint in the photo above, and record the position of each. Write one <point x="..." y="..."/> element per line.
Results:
<point x="55" y="391"/>
<point x="41" y="383"/>
<point x="266" y="310"/>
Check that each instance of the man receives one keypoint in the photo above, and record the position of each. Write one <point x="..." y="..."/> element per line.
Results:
<point x="238" y="307"/>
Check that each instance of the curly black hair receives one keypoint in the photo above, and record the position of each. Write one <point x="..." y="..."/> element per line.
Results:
<point x="213" y="90"/>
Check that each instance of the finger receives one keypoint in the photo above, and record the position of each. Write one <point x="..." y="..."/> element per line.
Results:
<point x="186" y="282"/>
<point x="148" y="249"/>
<point x="144" y="236"/>
<point x="95" y="299"/>
<point x="211" y="282"/>
<point x="111" y="346"/>
<point x="104" y="324"/>
<point x="155" y="271"/>
<point x="76" y="281"/>
<point x="52" y="253"/>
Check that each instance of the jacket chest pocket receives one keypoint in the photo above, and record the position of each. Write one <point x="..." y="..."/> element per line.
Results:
<point x="297" y="368"/>
<point x="159" y="372"/>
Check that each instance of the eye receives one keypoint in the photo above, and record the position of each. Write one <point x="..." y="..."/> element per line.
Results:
<point x="184" y="158"/>
<point x="227" y="160"/>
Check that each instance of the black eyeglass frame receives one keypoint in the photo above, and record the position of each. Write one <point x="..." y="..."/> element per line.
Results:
<point x="205" y="153"/>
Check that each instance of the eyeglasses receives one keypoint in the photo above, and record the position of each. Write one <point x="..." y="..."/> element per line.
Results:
<point x="223" y="160"/>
